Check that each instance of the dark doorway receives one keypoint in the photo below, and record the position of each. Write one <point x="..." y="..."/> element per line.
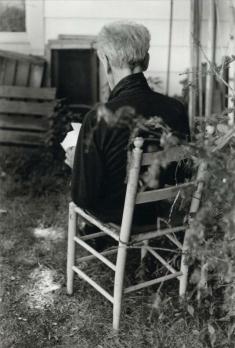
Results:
<point x="75" y="74"/>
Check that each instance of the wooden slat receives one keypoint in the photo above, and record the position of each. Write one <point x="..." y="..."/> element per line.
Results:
<point x="27" y="93"/>
<point x="36" y="75"/>
<point x="161" y="194"/>
<point x="25" y="108"/>
<point x="24" y="122"/>
<point x="10" y="72"/>
<point x="175" y="154"/>
<point x="22" y="57"/>
<point x="2" y="69"/>
<point x="21" y="138"/>
<point x="22" y="73"/>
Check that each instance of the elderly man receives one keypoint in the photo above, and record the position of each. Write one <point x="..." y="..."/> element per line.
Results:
<point x="99" y="171"/>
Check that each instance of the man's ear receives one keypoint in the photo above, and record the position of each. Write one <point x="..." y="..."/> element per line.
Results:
<point x="145" y="63"/>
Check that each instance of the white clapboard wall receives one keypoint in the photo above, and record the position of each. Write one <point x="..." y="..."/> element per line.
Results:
<point x="46" y="19"/>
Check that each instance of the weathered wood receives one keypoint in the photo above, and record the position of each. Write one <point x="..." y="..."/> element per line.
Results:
<point x="22" y="73"/>
<point x="161" y="194"/>
<point x="10" y="72"/>
<point x="36" y="75"/>
<point x="23" y="122"/>
<point x="22" y="57"/>
<point x="2" y="69"/>
<point x="26" y="108"/>
<point x="27" y="93"/>
<point x="21" y="137"/>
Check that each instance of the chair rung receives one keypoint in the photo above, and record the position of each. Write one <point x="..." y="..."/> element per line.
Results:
<point x="90" y="257"/>
<point x="175" y="241"/>
<point x="93" y="235"/>
<point x="159" y="233"/>
<point x="95" y="253"/>
<point x="93" y="283"/>
<point x="160" y="259"/>
<point x="151" y="282"/>
<point x="161" y="194"/>
<point x="97" y="223"/>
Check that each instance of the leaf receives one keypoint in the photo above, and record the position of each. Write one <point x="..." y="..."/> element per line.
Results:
<point x="190" y="309"/>
<point x="211" y="330"/>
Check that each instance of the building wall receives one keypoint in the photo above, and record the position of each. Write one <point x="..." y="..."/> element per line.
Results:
<point x="46" y="19"/>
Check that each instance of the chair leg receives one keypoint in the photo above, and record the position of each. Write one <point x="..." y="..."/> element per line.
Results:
<point x="71" y="248"/>
<point x="118" y="284"/>
<point x="184" y="267"/>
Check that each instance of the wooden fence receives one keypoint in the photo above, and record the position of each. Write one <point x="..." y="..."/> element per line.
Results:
<point x="24" y="114"/>
<point x="21" y="70"/>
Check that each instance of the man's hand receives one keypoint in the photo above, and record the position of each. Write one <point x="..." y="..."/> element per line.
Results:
<point x="69" y="156"/>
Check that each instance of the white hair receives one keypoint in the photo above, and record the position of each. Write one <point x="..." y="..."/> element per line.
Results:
<point x="124" y="43"/>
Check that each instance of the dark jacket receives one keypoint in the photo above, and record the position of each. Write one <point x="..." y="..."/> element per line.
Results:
<point x="98" y="180"/>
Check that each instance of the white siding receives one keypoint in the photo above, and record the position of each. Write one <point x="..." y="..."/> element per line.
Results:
<point x="46" y="19"/>
<point x="81" y="17"/>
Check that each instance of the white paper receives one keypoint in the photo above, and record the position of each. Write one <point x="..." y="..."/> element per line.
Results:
<point x="71" y="137"/>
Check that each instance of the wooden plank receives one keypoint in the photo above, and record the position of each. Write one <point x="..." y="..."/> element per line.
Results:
<point x="27" y="93"/>
<point x="22" y="57"/>
<point x="2" y="69"/>
<point x="10" y="71"/>
<point x="36" y="75"/>
<point x="22" y="73"/>
<point x="25" y="108"/>
<point x="21" y="138"/>
<point x="175" y="154"/>
<point x="24" y="122"/>
<point x="161" y="194"/>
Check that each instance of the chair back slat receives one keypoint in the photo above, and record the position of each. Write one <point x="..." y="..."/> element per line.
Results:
<point x="161" y="194"/>
<point x="174" y="154"/>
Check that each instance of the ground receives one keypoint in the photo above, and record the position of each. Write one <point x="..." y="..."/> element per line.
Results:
<point x="35" y="310"/>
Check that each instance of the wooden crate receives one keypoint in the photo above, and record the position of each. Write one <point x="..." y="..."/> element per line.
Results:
<point x="21" y="70"/>
<point x="24" y="114"/>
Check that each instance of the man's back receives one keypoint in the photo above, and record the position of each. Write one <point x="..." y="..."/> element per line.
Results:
<point x="99" y="172"/>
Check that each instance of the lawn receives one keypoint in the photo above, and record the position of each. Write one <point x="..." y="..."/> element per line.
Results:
<point x="35" y="310"/>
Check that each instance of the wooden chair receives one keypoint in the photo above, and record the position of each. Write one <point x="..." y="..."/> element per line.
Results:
<point x="123" y="235"/>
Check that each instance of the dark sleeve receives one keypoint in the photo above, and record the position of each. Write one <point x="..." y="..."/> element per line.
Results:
<point x="88" y="165"/>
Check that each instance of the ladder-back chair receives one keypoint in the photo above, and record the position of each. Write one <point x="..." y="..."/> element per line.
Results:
<point x="123" y="235"/>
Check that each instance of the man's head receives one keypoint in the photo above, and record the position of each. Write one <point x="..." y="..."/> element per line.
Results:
<point x="123" y="49"/>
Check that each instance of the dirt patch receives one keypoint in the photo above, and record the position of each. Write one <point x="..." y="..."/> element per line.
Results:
<point x="40" y="291"/>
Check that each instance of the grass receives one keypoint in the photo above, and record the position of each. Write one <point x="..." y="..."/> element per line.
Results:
<point x="34" y="308"/>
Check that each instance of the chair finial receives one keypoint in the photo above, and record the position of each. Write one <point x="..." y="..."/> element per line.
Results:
<point x="138" y="142"/>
